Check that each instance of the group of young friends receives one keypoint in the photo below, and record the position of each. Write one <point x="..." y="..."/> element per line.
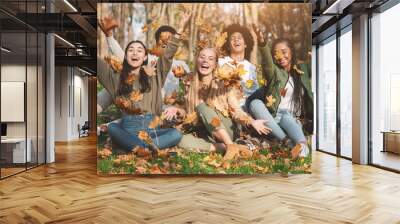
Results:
<point x="276" y="109"/>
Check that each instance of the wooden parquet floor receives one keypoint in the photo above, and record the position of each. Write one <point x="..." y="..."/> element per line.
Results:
<point x="70" y="191"/>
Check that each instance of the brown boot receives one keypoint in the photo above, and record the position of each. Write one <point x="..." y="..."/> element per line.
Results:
<point x="245" y="152"/>
<point x="232" y="152"/>
<point x="296" y="151"/>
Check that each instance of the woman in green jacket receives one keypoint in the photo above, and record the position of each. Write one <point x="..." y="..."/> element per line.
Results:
<point x="286" y="98"/>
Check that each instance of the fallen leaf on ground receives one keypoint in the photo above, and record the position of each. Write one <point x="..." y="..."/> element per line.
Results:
<point x="155" y="169"/>
<point x="141" y="152"/>
<point x="104" y="153"/>
<point x="140" y="170"/>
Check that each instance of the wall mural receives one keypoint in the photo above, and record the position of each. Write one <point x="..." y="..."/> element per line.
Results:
<point x="204" y="88"/>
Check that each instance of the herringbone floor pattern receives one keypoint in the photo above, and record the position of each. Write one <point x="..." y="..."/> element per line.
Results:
<point x="69" y="191"/>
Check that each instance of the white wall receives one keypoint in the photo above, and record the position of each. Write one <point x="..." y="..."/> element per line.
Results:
<point x="34" y="125"/>
<point x="70" y="84"/>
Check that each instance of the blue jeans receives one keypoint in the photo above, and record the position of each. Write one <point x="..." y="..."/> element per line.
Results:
<point x="124" y="134"/>
<point x="282" y="126"/>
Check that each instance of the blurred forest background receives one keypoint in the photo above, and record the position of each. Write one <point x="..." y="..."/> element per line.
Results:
<point x="139" y="21"/>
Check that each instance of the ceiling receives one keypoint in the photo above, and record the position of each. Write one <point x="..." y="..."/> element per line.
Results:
<point x="76" y="22"/>
<point x="72" y="20"/>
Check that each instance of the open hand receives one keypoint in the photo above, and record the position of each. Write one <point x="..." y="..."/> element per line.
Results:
<point x="150" y="68"/>
<point x="170" y="113"/>
<point x="260" y="127"/>
<point x="185" y="20"/>
<point x="260" y="35"/>
<point x="107" y="24"/>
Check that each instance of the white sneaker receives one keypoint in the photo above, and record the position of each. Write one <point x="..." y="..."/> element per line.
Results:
<point x="304" y="150"/>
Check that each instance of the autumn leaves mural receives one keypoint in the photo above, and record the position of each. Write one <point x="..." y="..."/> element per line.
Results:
<point x="215" y="88"/>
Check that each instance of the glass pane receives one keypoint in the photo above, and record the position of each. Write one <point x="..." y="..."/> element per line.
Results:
<point x="327" y="97"/>
<point x="385" y="84"/>
<point x="31" y="97"/>
<point x="41" y="98"/>
<point x="346" y="94"/>
<point x="13" y="86"/>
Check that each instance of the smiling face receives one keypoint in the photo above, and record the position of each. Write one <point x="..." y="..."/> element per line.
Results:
<point x="206" y="61"/>
<point x="135" y="55"/>
<point x="283" y="55"/>
<point x="237" y="44"/>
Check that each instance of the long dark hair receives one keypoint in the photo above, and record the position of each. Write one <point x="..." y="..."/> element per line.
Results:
<point x="297" y="97"/>
<point x="248" y="39"/>
<point x="125" y="88"/>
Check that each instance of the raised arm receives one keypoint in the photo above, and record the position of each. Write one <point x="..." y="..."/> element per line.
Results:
<point x="164" y="62"/>
<point x="107" y="24"/>
<point x="267" y="62"/>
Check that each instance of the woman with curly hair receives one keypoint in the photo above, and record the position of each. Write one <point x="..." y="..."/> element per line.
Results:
<point x="238" y="48"/>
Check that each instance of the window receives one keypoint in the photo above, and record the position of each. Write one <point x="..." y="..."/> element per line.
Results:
<point x="346" y="92"/>
<point x="327" y="96"/>
<point x="385" y="86"/>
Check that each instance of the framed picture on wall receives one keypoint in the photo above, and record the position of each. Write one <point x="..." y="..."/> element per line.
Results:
<point x="204" y="88"/>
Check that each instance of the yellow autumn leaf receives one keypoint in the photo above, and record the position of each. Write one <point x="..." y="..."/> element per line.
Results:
<point x="190" y="118"/>
<point x="278" y="55"/>
<point x="299" y="72"/>
<point x="104" y="153"/>
<point x="181" y="54"/>
<point x="145" y="28"/>
<point x="270" y="101"/>
<point x="136" y="96"/>
<point x="224" y="71"/>
<point x="130" y="79"/>
<point x="199" y="21"/>
<point x="144" y="136"/>
<point x="241" y="70"/>
<point x="155" y="25"/>
<point x="155" y="122"/>
<point x="205" y="28"/>
<point x="249" y="83"/>
<point x="114" y="62"/>
<point x="220" y="40"/>
<point x="121" y="102"/>
<point x="262" y="82"/>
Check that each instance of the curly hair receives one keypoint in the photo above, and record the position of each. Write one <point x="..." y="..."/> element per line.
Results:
<point x="248" y="39"/>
